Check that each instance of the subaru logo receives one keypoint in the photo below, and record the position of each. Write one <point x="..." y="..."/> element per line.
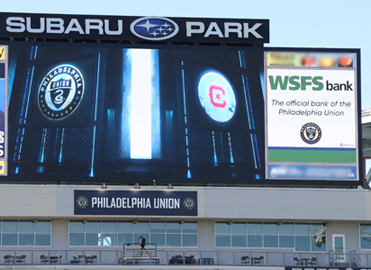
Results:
<point x="154" y="28"/>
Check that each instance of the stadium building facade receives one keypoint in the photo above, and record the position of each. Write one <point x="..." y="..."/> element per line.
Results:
<point x="220" y="157"/>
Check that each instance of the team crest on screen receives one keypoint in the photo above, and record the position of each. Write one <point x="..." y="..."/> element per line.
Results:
<point x="60" y="92"/>
<point x="216" y="96"/>
<point x="310" y="133"/>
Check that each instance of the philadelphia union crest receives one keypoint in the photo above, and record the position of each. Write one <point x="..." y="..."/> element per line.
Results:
<point x="310" y="133"/>
<point x="60" y="92"/>
<point x="82" y="202"/>
<point x="189" y="203"/>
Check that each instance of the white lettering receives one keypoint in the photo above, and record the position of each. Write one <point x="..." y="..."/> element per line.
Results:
<point x="113" y="203"/>
<point x="75" y="26"/>
<point x="140" y="203"/>
<point x="213" y="30"/>
<point x="194" y="28"/>
<point x="59" y="26"/>
<point x="93" y="24"/>
<point x="118" y="203"/>
<point x="230" y="27"/>
<point x="133" y="202"/>
<point x="100" y="202"/>
<point x="105" y="202"/>
<point x="93" y="201"/>
<point x="54" y="25"/>
<point x="177" y="203"/>
<point x="166" y="203"/>
<point x="113" y="33"/>
<point x="162" y="203"/>
<point x="15" y="24"/>
<point x="148" y="204"/>
<point x="252" y="30"/>
<point x="2" y="137"/>
<point x="241" y="30"/>
<point x="35" y="30"/>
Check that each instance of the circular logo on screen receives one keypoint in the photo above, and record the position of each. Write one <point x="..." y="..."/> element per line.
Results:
<point x="189" y="203"/>
<point x="60" y="92"/>
<point x="216" y="96"/>
<point x="310" y="133"/>
<point x="82" y="202"/>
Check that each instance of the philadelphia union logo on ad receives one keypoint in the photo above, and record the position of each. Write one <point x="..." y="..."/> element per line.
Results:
<point x="154" y="28"/>
<point x="189" y="203"/>
<point x="82" y="202"/>
<point x="310" y="133"/>
<point x="60" y="92"/>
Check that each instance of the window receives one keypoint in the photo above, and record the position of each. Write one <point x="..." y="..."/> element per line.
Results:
<point x="302" y="237"/>
<point x="42" y="233"/>
<point x="158" y="233"/>
<point x="141" y="229"/>
<point x="189" y="234"/>
<point x="222" y="234"/>
<point x="77" y="233"/>
<point x="125" y="232"/>
<point x="318" y="237"/>
<point x="118" y="233"/>
<point x="286" y="235"/>
<point x="297" y="236"/>
<point x="365" y="236"/>
<point x="109" y="233"/>
<point x="254" y="237"/>
<point x="25" y="233"/>
<point x="173" y="231"/>
<point x="238" y="234"/>
<point x="270" y="235"/>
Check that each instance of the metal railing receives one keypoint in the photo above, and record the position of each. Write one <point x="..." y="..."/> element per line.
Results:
<point x="177" y="256"/>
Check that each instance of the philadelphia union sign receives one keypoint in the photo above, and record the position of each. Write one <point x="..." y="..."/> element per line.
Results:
<point x="128" y="202"/>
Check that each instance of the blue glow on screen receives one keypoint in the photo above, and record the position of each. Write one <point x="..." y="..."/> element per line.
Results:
<point x="141" y="111"/>
<point x="262" y="84"/>
<point x="141" y="100"/>
<point x="2" y="93"/>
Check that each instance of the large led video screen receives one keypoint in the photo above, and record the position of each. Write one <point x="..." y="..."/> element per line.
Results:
<point x="126" y="114"/>
<point x="102" y="113"/>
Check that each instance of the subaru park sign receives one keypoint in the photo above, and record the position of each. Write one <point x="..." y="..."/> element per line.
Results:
<point x="134" y="28"/>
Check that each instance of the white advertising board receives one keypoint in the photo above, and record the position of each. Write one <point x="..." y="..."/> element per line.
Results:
<point x="311" y="117"/>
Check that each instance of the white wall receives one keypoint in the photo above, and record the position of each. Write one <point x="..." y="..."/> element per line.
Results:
<point x="53" y="201"/>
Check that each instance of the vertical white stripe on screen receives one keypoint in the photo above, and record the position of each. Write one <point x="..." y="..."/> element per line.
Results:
<point x="141" y="100"/>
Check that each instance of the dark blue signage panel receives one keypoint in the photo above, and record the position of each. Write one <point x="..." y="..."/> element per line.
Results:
<point x="152" y="203"/>
<point x="134" y="28"/>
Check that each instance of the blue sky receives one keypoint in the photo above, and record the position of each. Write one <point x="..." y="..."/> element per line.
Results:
<point x="293" y="23"/>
